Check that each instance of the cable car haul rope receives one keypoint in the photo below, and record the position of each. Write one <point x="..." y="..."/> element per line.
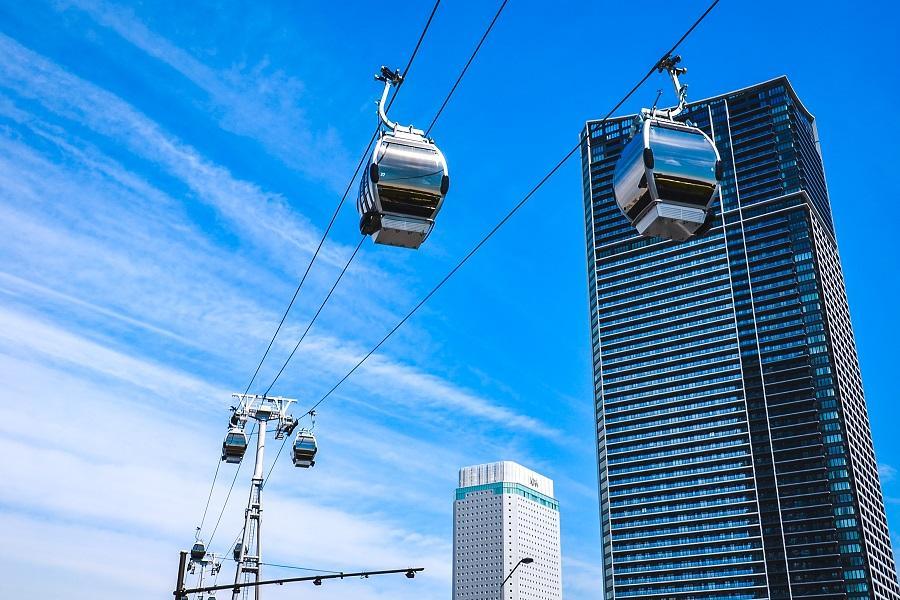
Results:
<point x="661" y="64"/>
<point x="664" y="183"/>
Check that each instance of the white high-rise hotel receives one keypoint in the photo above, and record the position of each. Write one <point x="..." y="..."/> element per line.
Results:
<point x="503" y="513"/>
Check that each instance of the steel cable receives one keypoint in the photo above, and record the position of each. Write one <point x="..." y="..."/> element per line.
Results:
<point x="433" y="121"/>
<point x="328" y="228"/>
<point x="512" y="212"/>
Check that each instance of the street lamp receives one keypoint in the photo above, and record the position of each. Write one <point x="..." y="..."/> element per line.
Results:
<point x="523" y="561"/>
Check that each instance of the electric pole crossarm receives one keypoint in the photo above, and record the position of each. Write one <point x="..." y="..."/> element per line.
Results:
<point x="410" y="573"/>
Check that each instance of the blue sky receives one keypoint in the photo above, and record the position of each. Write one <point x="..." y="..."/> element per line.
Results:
<point x="166" y="170"/>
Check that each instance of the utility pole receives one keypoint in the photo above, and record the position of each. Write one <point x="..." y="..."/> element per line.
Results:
<point x="262" y="409"/>
<point x="179" y="585"/>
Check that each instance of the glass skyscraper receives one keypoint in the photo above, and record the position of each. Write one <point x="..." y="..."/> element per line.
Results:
<point x="734" y="452"/>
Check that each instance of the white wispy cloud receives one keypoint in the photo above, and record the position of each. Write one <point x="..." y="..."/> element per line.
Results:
<point x="181" y="281"/>
<point x="134" y="476"/>
<point x="22" y="288"/>
<point x="170" y="275"/>
<point x="123" y="248"/>
<point x="47" y="342"/>
<point x="122" y="324"/>
<point x="72" y="554"/>
<point x="286" y="239"/>
<point x="583" y="578"/>
<point x="255" y="100"/>
<point x="411" y="388"/>
<point x="265" y="217"/>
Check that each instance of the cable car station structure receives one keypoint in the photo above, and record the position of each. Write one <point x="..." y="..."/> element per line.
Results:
<point x="264" y="411"/>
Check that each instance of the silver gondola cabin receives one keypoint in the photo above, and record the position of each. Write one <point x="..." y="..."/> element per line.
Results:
<point x="404" y="187"/>
<point x="234" y="446"/>
<point x="666" y="178"/>
<point x="304" y="449"/>
<point x="198" y="551"/>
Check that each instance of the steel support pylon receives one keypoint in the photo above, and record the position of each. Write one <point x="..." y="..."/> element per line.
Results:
<point x="249" y="564"/>
<point x="249" y="557"/>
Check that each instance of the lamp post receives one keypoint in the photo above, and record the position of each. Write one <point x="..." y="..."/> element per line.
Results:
<point x="522" y="561"/>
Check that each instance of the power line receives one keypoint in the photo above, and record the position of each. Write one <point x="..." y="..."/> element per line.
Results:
<point x="309" y="266"/>
<point x="209" y="497"/>
<point x="337" y="209"/>
<point x="265" y="481"/>
<point x="362" y="159"/>
<point x="294" y="297"/>
<point x="274" y="462"/>
<point x="415" y="51"/>
<point x="237" y="472"/>
<point x="234" y="480"/>
<point x="513" y="211"/>
<point x="298" y="568"/>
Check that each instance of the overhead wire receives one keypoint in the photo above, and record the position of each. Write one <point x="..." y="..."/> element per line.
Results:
<point x="340" y="204"/>
<point x="433" y="121"/>
<point x="466" y="67"/>
<point x="265" y="481"/>
<point x="294" y="297"/>
<point x="328" y="228"/>
<point x="362" y="159"/>
<point x="228" y="495"/>
<point x="209" y="497"/>
<point x="503" y="220"/>
<point x="275" y="461"/>
<point x="353" y="255"/>
<point x="316" y="316"/>
<point x="230" y="489"/>
<point x="282" y="566"/>
<point x="512" y="211"/>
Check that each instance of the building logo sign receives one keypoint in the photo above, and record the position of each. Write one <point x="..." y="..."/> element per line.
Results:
<point x="533" y="482"/>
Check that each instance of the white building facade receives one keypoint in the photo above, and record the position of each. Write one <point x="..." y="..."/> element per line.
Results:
<point x="503" y="513"/>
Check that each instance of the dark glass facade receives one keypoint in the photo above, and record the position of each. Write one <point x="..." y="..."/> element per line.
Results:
<point x="734" y="452"/>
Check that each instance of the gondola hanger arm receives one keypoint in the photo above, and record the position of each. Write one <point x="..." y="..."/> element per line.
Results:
<point x="390" y="79"/>
<point x="670" y="65"/>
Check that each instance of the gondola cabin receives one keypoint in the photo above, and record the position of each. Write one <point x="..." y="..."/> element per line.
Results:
<point x="237" y="553"/>
<point x="198" y="551"/>
<point x="403" y="189"/>
<point x="304" y="449"/>
<point x="234" y="446"/>
<point x="666" y="178"/>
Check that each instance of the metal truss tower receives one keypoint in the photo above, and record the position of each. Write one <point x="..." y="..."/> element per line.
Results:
<point x="263" y="410"/>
